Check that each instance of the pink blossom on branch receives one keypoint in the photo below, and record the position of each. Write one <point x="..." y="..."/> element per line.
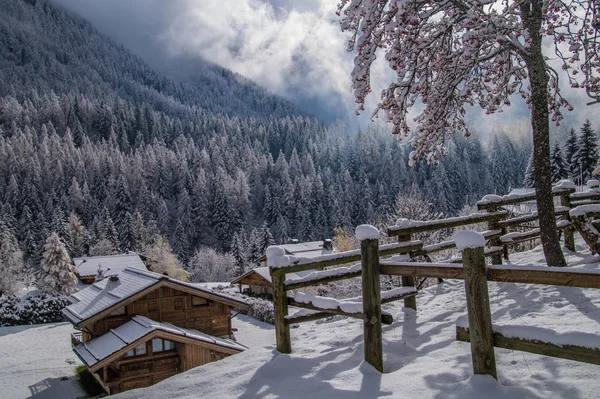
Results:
<point x="450" y="54"/>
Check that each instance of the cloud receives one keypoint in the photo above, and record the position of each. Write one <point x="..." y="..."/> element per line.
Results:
<point x="294" y="48"/>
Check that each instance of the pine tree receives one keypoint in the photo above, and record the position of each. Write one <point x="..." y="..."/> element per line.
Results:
<point x="586" y="156"/>
<point x="77" y="238"/>
<point x="265" y="239"/>
<point x="557" y="164"/>
<point x="58" y="274"/>
<point x="570" y="150"/>
<point x="238" y="250"/>
<point x="529" y="181"/>
<point x="11" y="263"/>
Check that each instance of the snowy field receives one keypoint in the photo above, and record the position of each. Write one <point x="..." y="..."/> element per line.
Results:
<point x="422" y="357"/>
<point x="34" y="359"/>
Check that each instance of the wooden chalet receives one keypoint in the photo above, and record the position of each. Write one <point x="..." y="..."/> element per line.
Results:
<point x="258" y="280"/>
<point x="89" y="266"/>
<point x="138" y="328"/>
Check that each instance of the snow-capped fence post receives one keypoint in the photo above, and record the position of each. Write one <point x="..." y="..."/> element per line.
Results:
<point x="478" y="302"/>
<point x="371" y="293"/>
<point x="565" y="200"/>
<point x="408" y="281"/>
<point x="495" y="242"/>
<point x="276" y="257"/>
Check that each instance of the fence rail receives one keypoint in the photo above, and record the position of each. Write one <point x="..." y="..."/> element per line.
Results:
<point x="473" y="270"/>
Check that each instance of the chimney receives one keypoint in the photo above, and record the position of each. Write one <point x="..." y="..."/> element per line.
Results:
<point x="328" y="244"/>
<point x="112" y="283"/>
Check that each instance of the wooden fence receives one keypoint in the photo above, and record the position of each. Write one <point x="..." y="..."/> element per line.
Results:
<point x="368" y="307"/>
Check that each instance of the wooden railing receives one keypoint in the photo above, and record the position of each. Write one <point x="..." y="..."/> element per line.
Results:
<point x="478" y="328"/>
<point x="368" y="306"/>
<point x="76" y="338"/>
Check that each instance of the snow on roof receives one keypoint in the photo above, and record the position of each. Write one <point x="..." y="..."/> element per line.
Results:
<point x="106" y="293"/>
<point x="109" y="264"/>
<point x="98" y="349"/>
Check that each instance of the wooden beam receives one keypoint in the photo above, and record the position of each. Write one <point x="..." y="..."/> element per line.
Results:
<point x="386" y="318"/>
<point x="326" y="278"/>
<point x="394" y="231"/>
<point x="371" y="293"/>
<point x="483" y="205"/>
<point x="280" y="307"/>
<point x="293" y="319"/>
<point x="569" y="352"/>
<point x="480" y="315"/>
<point x="560" y="211"/>
<point x="544" y="275"/>
<point x="342" y="258"/>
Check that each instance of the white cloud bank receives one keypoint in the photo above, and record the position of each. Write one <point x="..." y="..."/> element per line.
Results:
<point x="294" y="48"/>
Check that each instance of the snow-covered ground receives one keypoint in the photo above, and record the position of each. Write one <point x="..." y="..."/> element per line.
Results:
<point x="421" y="355"/>
<point x="35" y="359"/>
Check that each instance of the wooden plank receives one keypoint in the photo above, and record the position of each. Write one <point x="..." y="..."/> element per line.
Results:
<point x="483" y="205"/>
<point x="293" y="319"/>
<point x="371" y="293"/>
<point x="292" y="285"/>
<point x="559" y="211"/>
<point x="394" y="231"/>
<point x="569" y="352"/>
<point x="386" y="318"/>
<point x="589" y="195"/>
<point x="480" y="315"/>
<point x="280" y="307"/>
<point x="488" y="252"/>
<point x="544" y="275"/>
<point x="342" y="258"/>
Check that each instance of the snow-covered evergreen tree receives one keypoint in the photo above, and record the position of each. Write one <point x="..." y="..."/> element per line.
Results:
<point x="58" y="273"/>
<point x="557" y="164"/>
<point x="570" y="150"/>
<point x="586" y="156"/>
<point x="11" y="263"/>
<point x="265" y="239"/>
<point x="239" y="253"/>
<point x="529" y="180"/>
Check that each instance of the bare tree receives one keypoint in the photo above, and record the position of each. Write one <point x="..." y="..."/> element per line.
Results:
<point x="450" y="54"/>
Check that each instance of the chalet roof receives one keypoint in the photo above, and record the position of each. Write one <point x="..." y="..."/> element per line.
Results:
<point x="106" y="294"/>
<point x="112" y="264"/>
<point x="264" y="273"/>
<point x="117" y="339"/>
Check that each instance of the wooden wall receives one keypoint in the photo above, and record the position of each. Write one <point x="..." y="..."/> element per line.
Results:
<point x="166" y="304"/>
<point x="257" y="284"/>
<point x="152" y="368"/>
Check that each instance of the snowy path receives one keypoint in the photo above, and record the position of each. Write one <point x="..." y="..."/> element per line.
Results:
<point x="421" y="356"/>
<point x="34" y="358"/>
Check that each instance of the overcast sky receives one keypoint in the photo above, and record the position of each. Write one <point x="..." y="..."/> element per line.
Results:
<point x="294" y="48"/>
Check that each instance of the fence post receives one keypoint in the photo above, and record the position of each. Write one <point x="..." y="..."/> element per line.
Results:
<point x="371" y="293"/>
<point x="496" y="242"/>
<point x="408" y="281"/>
<point x="478" y="302"/>
<point x="565" y="200"/>
<point x="280" y="305"/>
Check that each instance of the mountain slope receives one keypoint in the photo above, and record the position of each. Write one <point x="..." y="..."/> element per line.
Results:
<point x="45" y="48"/>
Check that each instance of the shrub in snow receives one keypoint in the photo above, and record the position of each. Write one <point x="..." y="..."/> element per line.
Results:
<point x="58" y="273"/>
<point x="43" y="308"/>
<point x="10" y="311"/>
<point x="262" y="310"/>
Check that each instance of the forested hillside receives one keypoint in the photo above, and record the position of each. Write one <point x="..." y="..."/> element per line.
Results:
<point x="109" y="154"/>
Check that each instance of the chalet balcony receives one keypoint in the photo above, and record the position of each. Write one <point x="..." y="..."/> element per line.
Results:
<point x="76" y="339"/>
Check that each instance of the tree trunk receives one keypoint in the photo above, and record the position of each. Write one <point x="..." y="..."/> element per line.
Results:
<point x="532" y="20"/>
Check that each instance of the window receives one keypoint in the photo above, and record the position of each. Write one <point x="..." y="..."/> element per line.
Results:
<point x="137" y="351"/>
<point x="161" y="345"/>
<point x="197" y="301"/>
